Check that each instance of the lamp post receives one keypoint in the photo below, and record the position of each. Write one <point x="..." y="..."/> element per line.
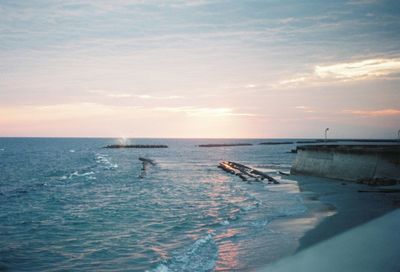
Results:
<point x="326" y="134"/>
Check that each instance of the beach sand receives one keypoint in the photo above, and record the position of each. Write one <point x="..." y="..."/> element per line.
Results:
<point x="352" y="208"/>
<point x="343" y="217"/>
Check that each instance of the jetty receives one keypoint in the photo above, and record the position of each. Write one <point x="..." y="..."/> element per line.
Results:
<point x="224" y="145"/>
<point x="135" y="146"/>
<point x="245" y="172"/>
<point x="276" y="143"/>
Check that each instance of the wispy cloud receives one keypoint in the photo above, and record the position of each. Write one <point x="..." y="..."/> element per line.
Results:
<point x="305" y="109"/>
<point x="359" y="70"/>
<point x="362" y="2"/>
<point x="344" y="71"/>
<point x="198" y="111"/>
<point x="85" y="110"/>
<point x="132" y="95"/>
<point x="145" y="96"/>
<point x="375" y="113"/>
<point x="294" y="80"/>
<point x="119" y="95"/>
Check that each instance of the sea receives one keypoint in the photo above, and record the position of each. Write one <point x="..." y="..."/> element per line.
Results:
<point x="69" y="204"/>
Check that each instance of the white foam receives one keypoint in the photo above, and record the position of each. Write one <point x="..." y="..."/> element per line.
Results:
<point x="160" y="268"/>
<point x="88" y="175"/>
<point x="225" y="223"/>
<point x="260" y="223"/>
<point x="102" y="159"/>
<point x="200" y="256"/>
<point x="76" y="173"/>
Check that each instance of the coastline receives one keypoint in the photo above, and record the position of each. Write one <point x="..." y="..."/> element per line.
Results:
<point x="347" y="227"/>
<point x="351" y="207"/>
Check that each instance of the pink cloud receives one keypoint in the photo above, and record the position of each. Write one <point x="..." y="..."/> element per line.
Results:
<point x="383" y="112"/>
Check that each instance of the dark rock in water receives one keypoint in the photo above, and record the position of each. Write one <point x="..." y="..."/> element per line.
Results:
<point x="145" y="160"/>
<point x="379" y="181"/>
<point x="283" y="173"/>
<point x="311" y="141"/>
<point x="135" y="146"/>
<point x="275" y="143"/>
<point x="222" y="145"/>
<point x="145" y="163"/>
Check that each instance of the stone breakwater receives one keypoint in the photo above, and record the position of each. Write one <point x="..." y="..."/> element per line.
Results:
<point x="136" y="146"/>
<point x="349" y="162"/>
<point x="223" y="145"/>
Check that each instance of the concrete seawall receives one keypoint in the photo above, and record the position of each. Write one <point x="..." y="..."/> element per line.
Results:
<point x="348" y="162"/>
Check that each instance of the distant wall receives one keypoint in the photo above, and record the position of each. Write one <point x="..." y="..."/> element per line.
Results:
<point x="348" y="162"/>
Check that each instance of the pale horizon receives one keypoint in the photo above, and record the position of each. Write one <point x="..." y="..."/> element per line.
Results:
<point x="200" y="69"/>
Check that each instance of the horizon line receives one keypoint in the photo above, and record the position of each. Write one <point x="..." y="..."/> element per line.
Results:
<point x="191" y="138"/>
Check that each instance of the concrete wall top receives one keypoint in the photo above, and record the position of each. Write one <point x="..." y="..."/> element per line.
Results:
<point x="370" y="148"/>
<point x="348" y="162"/>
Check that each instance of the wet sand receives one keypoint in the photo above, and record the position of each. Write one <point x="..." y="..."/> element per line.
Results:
<point x="343" y="229"/>
<point x="352" y="208"/>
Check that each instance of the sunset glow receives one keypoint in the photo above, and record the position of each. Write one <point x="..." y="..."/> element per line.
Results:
<point x="199" y="69"/>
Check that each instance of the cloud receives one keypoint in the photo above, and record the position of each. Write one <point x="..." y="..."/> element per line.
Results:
<point x="293" y="81"/>
<point x="344" y="71"/>
<point x="375" y="113"/>
<point x="69" y="111"/>
<point x="305" y="109"/>
<point x="128" y="95"/>
<point x="97" y="111"/>
<point x="362" y="2"/>
<point x="198" y="111"/>
<point x="120" y="95"/>
<point x="359" y="70"/>
<point x="145" y="96"/>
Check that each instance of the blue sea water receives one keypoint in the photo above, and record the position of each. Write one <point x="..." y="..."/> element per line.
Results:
<point x="69" y="204"/>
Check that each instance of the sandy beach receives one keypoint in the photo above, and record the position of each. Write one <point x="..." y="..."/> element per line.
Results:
<point x="352" y="207"/>
<point x="344" y="215"/>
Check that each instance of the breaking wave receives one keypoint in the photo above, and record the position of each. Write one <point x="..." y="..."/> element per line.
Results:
<point x="200" y="256"/>
<point x="105" y="162"/>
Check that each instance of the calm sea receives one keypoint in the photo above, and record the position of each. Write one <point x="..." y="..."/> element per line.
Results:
<point x="71" y="205"/>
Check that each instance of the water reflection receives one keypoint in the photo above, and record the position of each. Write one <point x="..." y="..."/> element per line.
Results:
<point x="228" y="251"/>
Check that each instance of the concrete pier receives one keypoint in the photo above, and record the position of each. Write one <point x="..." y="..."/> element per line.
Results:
<point x="348" y="162"/>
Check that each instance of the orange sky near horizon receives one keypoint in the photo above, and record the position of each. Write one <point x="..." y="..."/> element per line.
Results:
<point x="200" y="69"/>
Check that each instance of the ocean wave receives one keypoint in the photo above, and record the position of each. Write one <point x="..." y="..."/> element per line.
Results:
<point x="102" y="160"/>
<point x="293" y="210"/>
<point x="225" y="223"/>
<point x="297" y="208"/>
<point x="88" y="175"/>
<point x="261" y="223"/>
<point x="200" y="256"/>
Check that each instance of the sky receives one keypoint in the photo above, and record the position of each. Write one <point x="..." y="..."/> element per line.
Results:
<point x="200" y="68"/>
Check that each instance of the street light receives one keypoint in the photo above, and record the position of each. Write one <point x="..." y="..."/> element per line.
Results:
<point x="326" y="134"/>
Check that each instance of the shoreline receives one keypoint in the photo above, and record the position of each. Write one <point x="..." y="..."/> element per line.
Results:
<point x="351" y="207"/>
<point x="343" y="229"/>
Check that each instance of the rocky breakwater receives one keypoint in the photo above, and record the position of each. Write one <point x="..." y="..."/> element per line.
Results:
<point x="135" y="146"/>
